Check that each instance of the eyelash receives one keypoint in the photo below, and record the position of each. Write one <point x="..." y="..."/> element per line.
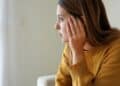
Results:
<point x="60" y="19"/>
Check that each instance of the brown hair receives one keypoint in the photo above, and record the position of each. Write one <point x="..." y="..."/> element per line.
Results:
<point x="97" y="27"/>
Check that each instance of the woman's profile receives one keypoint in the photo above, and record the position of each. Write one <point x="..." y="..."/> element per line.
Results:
<point x="91" y="56"/>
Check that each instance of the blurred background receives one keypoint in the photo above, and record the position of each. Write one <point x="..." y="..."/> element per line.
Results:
<point x="29" y="44"/>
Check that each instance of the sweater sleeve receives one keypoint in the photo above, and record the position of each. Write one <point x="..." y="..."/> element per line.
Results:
<point x="81" y="74"/>
<point x="72" y="75"/>
<point x="63" y="77"/>
<point x="109" y="73"/>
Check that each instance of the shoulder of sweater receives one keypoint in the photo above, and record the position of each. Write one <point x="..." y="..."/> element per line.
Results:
<point x="113" y="47"/>
<point x="115" y="43"/>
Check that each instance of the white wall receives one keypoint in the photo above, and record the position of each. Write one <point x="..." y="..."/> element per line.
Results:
<point x="35" y="47"/>
<point x="113" y="7"/>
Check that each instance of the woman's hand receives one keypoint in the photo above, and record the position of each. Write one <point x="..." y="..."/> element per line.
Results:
<point x="76" y="38"/>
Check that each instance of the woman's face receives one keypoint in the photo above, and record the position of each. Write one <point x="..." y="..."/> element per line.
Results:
<point x="60" y="25"/>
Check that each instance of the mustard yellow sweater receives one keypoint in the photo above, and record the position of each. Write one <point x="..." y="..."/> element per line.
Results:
<point x="103" y="68"/>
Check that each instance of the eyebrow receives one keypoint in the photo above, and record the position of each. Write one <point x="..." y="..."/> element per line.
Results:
<point x="60" y="15"/>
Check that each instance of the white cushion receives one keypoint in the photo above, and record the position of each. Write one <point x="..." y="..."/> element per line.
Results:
<point x="47" y="80"/>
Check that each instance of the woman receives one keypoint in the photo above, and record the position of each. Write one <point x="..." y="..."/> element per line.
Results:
<point x="91" y="56"/>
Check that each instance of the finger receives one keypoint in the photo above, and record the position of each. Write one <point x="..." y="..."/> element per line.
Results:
<point x="78" y="32"/>
<point x="68" y="30"/>
<point x="73" y="20"/>
<point x="72" y="27"/>
<point x="81" y="27"/>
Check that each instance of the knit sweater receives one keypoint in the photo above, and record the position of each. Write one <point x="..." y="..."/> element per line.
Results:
<point x="102" y="67"/>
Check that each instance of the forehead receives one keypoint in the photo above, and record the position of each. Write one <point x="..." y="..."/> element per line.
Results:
<point x="61" y="11"/>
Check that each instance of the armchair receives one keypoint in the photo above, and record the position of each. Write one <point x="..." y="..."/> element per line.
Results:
<point x="47" y="80"/>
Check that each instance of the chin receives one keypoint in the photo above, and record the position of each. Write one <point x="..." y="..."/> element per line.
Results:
<point x="64" y="41"/>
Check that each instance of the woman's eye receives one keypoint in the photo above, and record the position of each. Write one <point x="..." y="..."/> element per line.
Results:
<point x="61" y="19"/>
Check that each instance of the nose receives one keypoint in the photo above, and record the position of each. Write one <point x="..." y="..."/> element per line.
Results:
<point x="57" y="26"/>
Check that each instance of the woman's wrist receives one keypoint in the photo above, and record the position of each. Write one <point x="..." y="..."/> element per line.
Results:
<point x="77" y="57"/>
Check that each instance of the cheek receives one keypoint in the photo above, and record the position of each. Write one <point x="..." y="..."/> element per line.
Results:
<point x="63" y="29"/>
<point x="64" y="33"/>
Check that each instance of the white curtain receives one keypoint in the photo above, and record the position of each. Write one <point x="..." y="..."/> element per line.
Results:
<point x="3" y="44"/>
